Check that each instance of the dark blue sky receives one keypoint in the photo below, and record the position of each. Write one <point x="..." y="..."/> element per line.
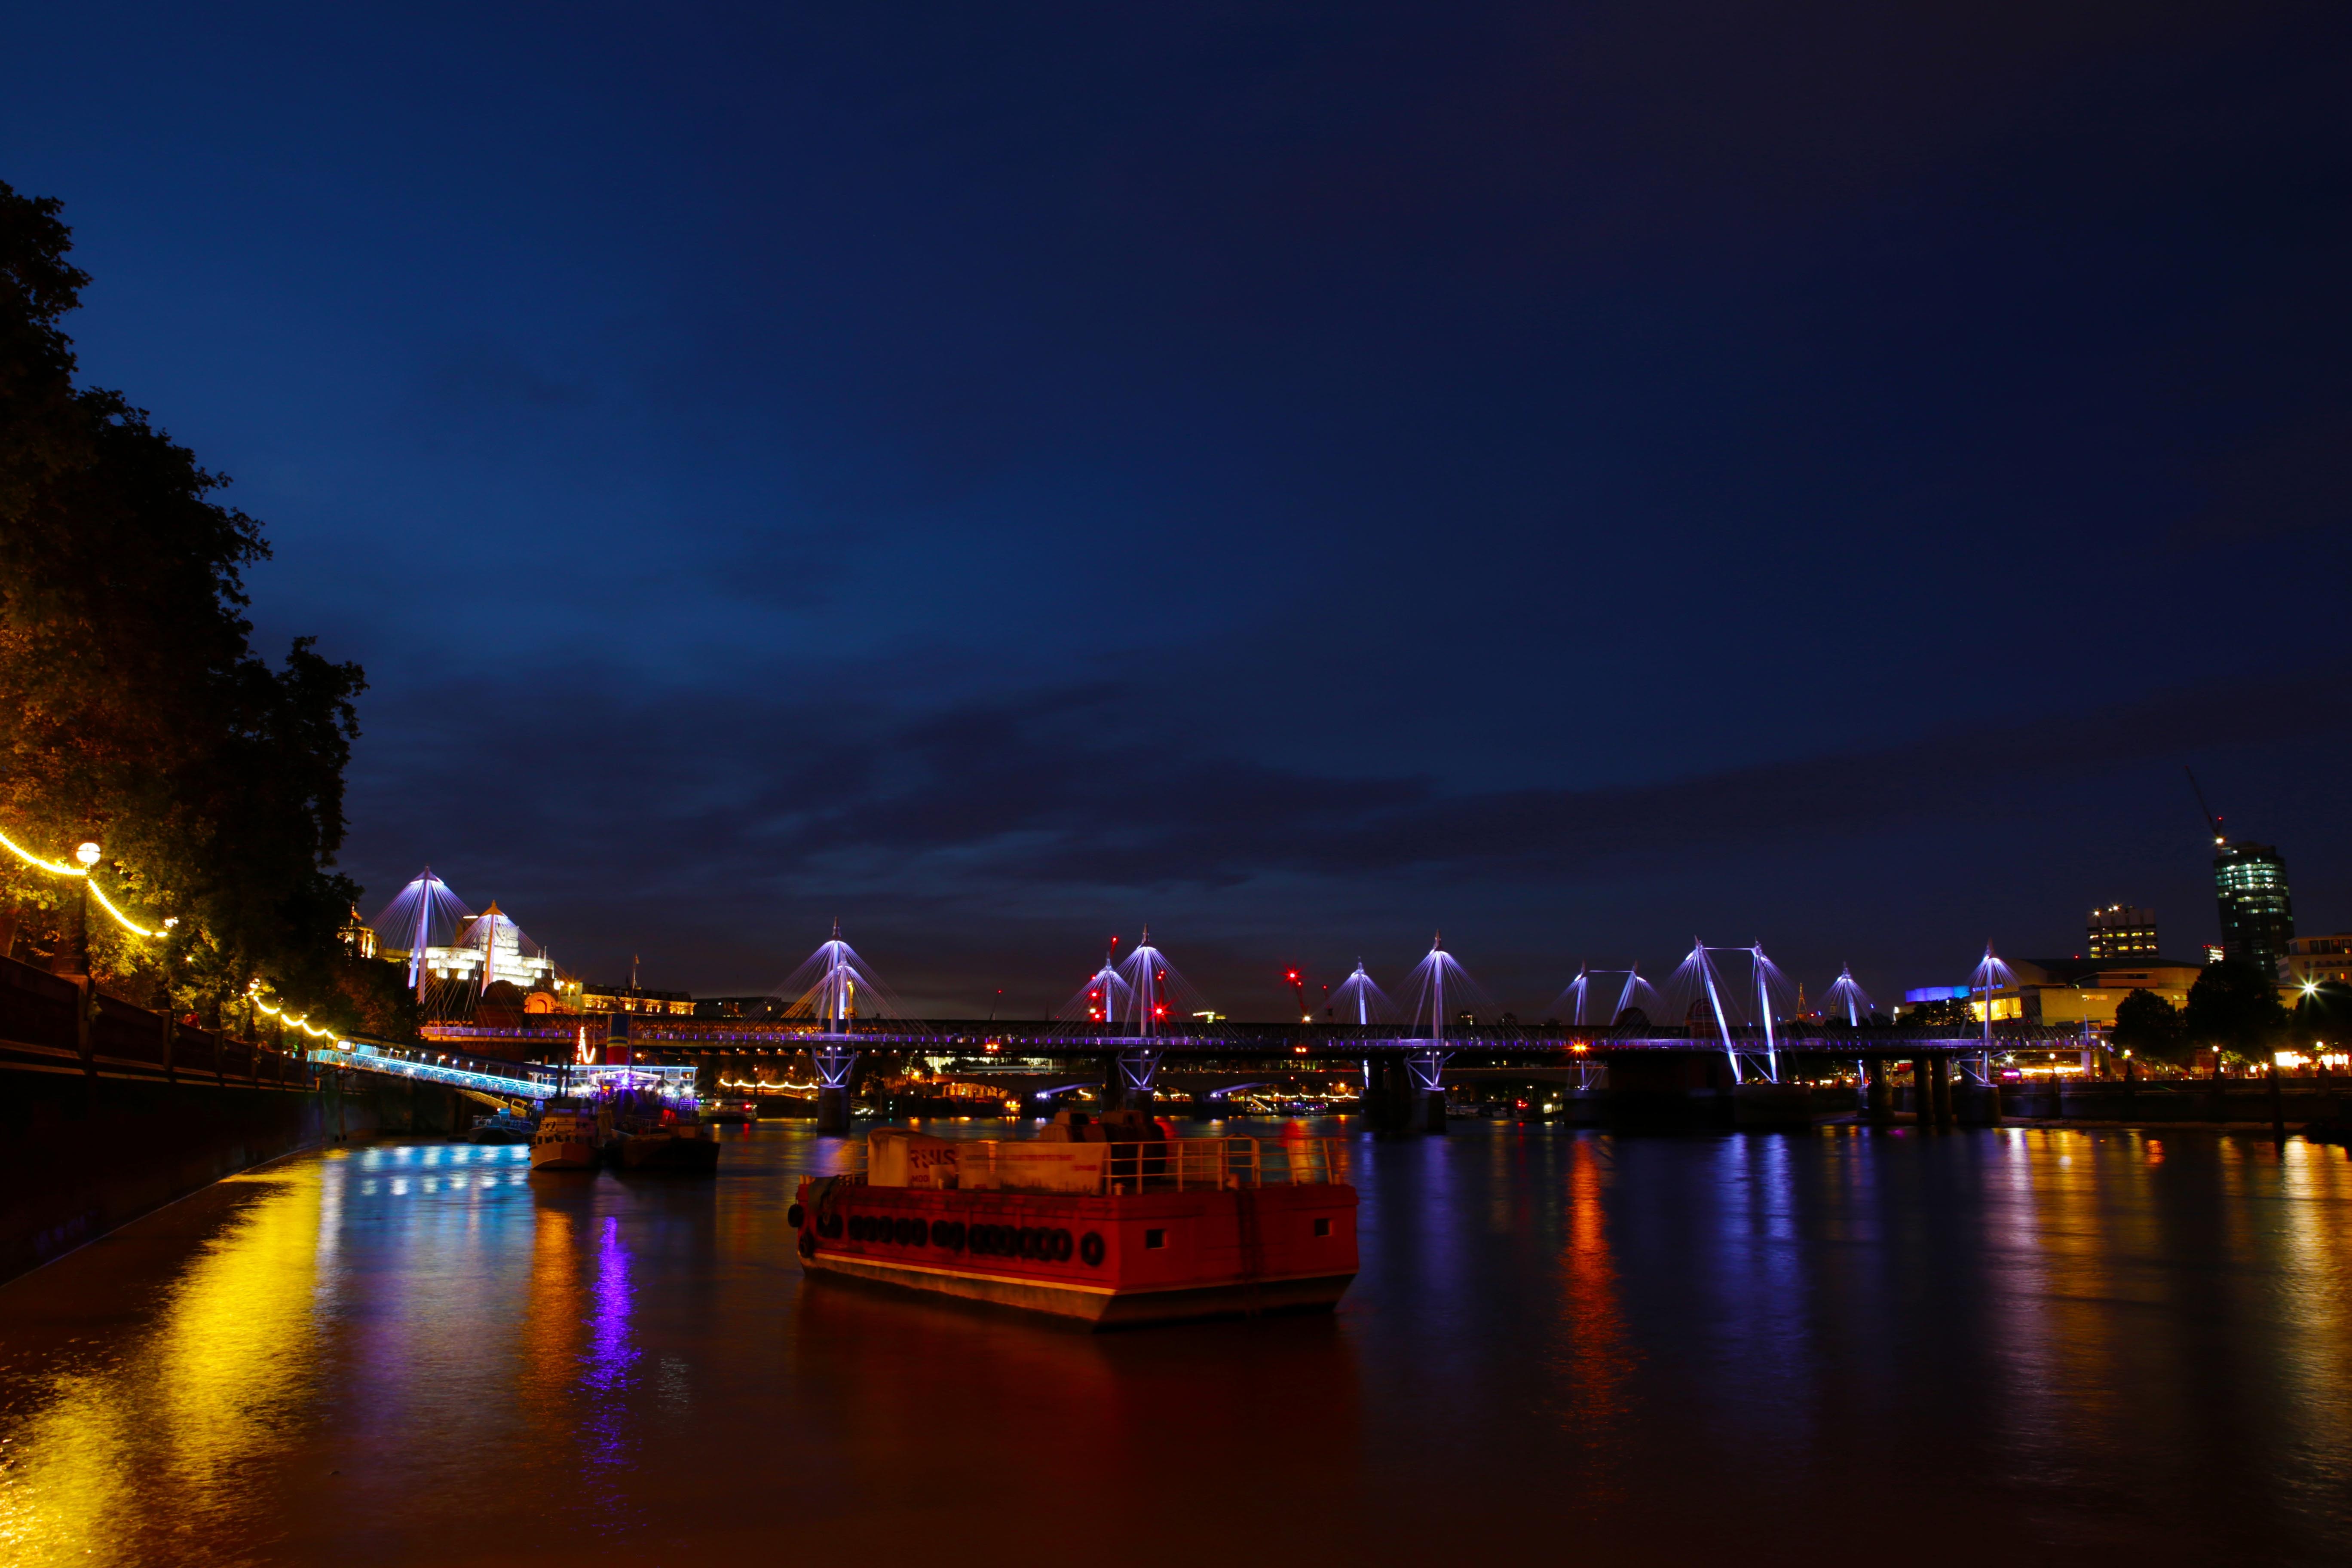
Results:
<point x="1578" y="475"/>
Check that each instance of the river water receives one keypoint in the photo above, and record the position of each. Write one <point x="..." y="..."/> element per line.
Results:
<point x="2077" y="1346"/>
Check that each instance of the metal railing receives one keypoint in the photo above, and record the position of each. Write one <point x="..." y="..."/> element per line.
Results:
<point x="1203" y="1164"/>
<point x="1179" y="1164"/>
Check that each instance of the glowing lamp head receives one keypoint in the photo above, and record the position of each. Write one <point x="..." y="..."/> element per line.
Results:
<point x="87" y="853"/>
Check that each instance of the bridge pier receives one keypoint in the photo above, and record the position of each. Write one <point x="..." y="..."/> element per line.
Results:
<point x="1391" y="1097"/>
<point x="1940" y="1079"/>
<point x="1426" y="1070"/>
<point x="1129" y="1080"/>
<point x="1761" y="1103"/>
<point x="1878" y="1096"/>
<point x="1976" y="1104"/>
<point x="833" y="1064"/>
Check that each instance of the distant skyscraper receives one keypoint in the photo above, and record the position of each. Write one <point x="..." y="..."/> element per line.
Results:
<point x="2257" y="910"/>
<point x="2121" y="931"/>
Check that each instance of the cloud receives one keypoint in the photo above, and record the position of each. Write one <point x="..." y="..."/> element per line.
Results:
<point x="636" y="820"/>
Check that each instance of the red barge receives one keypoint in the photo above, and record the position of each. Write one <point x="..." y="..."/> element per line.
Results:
<point x="1111" y="1222"/>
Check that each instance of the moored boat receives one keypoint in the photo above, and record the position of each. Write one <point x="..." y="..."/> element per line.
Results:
<point x="503" y="1127"/>
<point x="1111" y="1222"/>
<point x="681" y="1147"/>
<point x="566" y="1138"/>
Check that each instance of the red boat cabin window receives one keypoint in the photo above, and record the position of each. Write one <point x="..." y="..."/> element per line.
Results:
<point x="1155" y="1238"/>
<point x="1322" y="1228"/>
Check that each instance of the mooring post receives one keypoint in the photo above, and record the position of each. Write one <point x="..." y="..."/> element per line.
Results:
<point x="1923" y="1093"/>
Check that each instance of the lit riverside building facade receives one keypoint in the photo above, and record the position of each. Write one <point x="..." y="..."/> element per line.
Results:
<point x="2257" y="912"/>
<point x="2121" y="931"/>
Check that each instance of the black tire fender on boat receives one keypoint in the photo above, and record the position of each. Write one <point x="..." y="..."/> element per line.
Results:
<point x="955" y="1236"/>
<point x="1091" y="1249"/>
<point x="794" y="1216"/>
<point x="808" y="1245"/>
<point x="1060" y="1251"/>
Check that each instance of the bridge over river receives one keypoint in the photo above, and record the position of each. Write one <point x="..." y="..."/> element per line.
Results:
<point x="1129" y="1021"/>
<point x="1749" y="1068"/>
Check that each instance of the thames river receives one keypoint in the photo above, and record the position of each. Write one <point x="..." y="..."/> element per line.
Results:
<point x="2023" y="1345"/>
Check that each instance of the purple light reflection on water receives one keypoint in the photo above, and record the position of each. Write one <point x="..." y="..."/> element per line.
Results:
<point x="608" y="1375"/>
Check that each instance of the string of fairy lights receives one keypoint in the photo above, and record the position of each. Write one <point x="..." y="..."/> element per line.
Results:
<point x="88" y="856"/>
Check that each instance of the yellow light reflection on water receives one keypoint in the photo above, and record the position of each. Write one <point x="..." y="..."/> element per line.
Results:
<point x="193" y="1406"/>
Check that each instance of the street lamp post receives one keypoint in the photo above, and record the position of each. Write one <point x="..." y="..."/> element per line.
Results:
<point x="87" y="855"/>
<point x="78" y="956"/>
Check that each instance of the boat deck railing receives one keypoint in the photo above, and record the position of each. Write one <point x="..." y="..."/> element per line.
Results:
<point x="1190" y="1165"/>
<point x="1203" y="1164"/>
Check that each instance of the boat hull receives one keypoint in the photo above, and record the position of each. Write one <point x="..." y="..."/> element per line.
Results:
<point x="563" y="1155"/>
<point x="667" y="1152"/>
<point x="1100" y="1308"/>
<point x="1100" y="1262"/>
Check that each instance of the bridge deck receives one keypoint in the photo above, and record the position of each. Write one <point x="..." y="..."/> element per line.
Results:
<point x="961" y="1035"/>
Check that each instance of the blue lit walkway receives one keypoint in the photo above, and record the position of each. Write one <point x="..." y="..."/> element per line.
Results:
<point x="520" y="1082"/>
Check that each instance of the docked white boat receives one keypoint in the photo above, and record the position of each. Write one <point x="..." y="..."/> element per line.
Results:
<point x="566" y="1139"/>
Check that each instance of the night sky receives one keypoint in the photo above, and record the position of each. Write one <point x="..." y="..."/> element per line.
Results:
<point x="1574" y="475"/>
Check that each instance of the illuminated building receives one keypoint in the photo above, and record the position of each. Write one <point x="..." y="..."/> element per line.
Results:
<point x="2257" y="910"/>
<point x="2006" y="1003"/>
<point x="630" y="999"/>
<point x="359" y="937"/>
<point x="2121" y="931"/>
<point x="490" y="948"/>
<point x="2066" y="993"/>
<point x="2316" y="960"/>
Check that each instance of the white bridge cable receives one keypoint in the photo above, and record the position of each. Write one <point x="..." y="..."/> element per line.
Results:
<point x="1101" y="1000"/>
<point x="1158" y="999"/>
<point x="835" y="987"/>
<point x="1846" y="1000"/>
<point x="1586" y="1002"/>
<point x="1360" y="1001"/>
<point x="1439" y="992"/>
